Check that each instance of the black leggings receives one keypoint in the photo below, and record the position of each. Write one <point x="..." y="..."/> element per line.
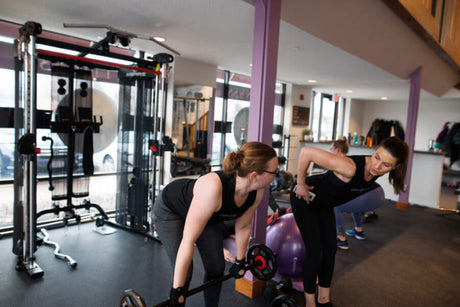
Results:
<point x="316" y="222"/>
<point x="170" y="227"/>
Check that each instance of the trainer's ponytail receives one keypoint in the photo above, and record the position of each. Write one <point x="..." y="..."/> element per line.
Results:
<point x="398" y="149"/>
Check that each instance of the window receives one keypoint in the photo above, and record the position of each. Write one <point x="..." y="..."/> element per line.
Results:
<point x="231" y="112"/>
<point x="327" y="116"/>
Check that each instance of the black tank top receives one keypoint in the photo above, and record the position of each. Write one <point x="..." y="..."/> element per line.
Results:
<point x="331" y="190"/>
<point x="178" y="195"/>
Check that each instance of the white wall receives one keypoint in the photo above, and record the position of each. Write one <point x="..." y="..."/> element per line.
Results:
<point x="355" y="123"/>
<point x="293" y="93"/>
<point x="388" y="110"/>
<point x="193" y="72"/>
<point x="432" y="116"/>
<point x="431" y="119"/>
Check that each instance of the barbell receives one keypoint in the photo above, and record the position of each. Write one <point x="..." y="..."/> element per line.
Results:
<point x="260" y="259"/>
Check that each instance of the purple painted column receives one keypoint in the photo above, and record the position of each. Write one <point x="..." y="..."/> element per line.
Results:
<point x="263" y="80"/>
<point x="412" y="114"/>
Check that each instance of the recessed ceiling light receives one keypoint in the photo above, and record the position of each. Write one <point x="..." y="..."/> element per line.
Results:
<point x="384" y="98"/>
<point x="250" y="65"/>
<point x="349" y="91"/>
<point x="312" y="81"/>
<point x="159" y="38"/>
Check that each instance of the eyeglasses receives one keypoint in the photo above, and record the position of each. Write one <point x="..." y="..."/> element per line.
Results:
<point x="276" y="172"/>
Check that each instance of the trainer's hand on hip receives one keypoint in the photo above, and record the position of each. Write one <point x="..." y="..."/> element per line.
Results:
<point x="301" y="192"/>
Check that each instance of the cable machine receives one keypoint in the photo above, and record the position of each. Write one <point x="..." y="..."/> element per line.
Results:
<point x="72" y="119"/>
<point x="75" y="124"/>
<point x="25" y="164"/>
<point x="141" y="145"/>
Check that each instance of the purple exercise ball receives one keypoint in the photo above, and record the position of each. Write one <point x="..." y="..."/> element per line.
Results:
<point x="283" y="238"/>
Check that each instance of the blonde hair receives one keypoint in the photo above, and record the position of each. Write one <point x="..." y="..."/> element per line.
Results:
<point x="251" y="157"/>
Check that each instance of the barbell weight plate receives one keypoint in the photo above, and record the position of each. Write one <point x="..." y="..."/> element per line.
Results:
<point x="263" y="262"/>
<point x="131" y="298"/>
<point x="284" y="300"/>
<point x="260" y="262"/>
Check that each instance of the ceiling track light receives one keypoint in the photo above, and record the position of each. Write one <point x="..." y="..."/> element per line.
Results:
<point x="124" y="35"/>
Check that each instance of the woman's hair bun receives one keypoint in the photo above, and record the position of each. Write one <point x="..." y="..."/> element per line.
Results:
<point x="236" y="159"/>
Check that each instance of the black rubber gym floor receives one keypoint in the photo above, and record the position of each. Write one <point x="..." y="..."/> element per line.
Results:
<point x="410" y="258"/>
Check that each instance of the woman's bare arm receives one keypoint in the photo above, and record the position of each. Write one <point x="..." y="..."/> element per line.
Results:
<point x="343" y="167"/>
<point x="243" y="227"/>
<point x="207" y="199"/>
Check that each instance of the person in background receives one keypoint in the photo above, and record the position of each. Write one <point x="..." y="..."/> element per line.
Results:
<point x="314" y="197"/>
<point x="339" y="148"/>
<point x="356" y="210"/>
<point x="192" y="211"/>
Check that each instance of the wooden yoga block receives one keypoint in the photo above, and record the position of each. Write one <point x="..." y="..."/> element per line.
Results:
<point x="249" y="288"/>
<point x="402" y="206"/>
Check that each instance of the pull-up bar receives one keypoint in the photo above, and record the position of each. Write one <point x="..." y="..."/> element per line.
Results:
<point x="94" y="61"/>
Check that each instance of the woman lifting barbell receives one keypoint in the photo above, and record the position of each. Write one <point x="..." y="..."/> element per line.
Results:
<point x="190" y="212"/>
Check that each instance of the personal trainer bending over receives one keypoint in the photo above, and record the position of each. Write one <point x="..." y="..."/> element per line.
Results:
<point x="347" y="178"/>
<point x="190" y="211"/>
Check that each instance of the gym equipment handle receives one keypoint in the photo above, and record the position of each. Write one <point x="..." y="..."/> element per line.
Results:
<point x="50" y="161"/>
